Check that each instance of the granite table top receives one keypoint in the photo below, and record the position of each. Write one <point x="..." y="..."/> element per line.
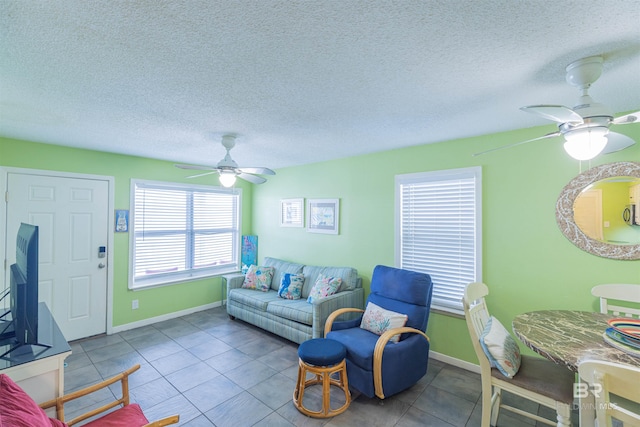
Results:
<point x="568" y="337"/>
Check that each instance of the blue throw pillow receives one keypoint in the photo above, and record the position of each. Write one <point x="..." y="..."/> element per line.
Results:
<point x="501" y="349"/>
<point x="291" y="286"/>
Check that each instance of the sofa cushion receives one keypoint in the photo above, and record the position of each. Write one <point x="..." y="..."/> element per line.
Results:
<point x="325" y="286"/>
<point x="258" y="278"/>
<point x="291" y="286"/>
<point x="280" y="267"/>
<point x="348" y="275"/>
<point x="297" y="310"/>
<point x="253" y="298"/>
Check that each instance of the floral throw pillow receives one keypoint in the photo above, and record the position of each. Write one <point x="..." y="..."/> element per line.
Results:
<point x="378" y="320"/>
<point x="291" y="286"/>
<point x="258" y="278"/>
<point x="324" y="287"/>
<point x="501" y="349"/>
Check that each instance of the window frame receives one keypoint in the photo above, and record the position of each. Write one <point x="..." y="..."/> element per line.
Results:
<point x="443" y="175"/>
<point x="184" y="275"/>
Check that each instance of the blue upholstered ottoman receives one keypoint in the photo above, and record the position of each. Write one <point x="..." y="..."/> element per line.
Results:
<point x="322" y="358"/>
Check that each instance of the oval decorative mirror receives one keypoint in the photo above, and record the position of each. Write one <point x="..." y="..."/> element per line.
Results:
<point x="594" y="211"/>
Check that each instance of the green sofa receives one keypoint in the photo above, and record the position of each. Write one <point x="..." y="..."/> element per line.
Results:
<point x="295" y="320"/>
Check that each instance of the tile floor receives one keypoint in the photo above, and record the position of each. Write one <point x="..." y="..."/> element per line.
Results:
<point x="217" y="372"/>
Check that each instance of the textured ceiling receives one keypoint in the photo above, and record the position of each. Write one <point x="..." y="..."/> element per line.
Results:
<point x="299" y="81"/>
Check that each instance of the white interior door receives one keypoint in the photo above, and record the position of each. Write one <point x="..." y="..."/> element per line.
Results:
<point x="72" y="215"/>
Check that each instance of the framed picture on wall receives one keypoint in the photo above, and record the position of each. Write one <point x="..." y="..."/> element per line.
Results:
<point x="323" y="216"/>
<point x="122" y="220"/>
<point x="292" y="213"/>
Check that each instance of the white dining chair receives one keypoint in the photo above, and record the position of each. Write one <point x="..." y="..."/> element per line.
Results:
<point x="621" y="293"/>
<point x="609" y="382"/>
<point x="537" y="379"/>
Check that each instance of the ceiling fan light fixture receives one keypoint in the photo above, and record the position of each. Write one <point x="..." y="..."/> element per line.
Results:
<point x="585" y="127"/>
<point x="228" y="170"/>
<point x="586" y="144"/>
<point x="227" y="179"/>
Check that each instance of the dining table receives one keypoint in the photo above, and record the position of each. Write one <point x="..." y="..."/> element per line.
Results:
<point x="567" y="337"/>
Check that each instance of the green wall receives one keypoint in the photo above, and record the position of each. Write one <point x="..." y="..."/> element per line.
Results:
<point x="153" y="302"/>
<point x="527" y="263"/>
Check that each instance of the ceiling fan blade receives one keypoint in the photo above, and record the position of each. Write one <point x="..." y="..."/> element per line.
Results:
<point x="202" y="174"/>
<point x="549" y="135"/>
<point x="195" y="167"/>
<point x="556" y="113"/>
<point x="259" y="171"/>
<point x="616" y="142"/>
<point x="251" y="178"/>
<point x="626" y="119"/>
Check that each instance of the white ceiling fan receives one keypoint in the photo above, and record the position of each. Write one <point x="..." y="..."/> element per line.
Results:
<point x="228" y="169"/>
<point x="585" y="127"/>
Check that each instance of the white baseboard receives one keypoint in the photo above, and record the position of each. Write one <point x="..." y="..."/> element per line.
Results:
<point x="455" y="362"/>
<point x="168" y="316"/>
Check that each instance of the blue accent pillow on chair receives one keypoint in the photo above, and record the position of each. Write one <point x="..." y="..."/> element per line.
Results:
<point x="501" y="349"/>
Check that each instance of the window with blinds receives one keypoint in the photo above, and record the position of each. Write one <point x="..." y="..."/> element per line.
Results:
<point x="438" y="230"/>
<point x="181" y="232"/>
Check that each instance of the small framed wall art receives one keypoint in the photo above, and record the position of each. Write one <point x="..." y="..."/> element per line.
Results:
<point x="292" y="213"/>
<point x="323" y="216"/>
<point x="122" y="220"/>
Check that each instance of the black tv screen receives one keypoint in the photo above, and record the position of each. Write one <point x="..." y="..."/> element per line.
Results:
<point x="24" y="286"/>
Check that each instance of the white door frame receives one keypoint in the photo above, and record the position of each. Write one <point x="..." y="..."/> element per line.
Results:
<point x="4" y="175"/>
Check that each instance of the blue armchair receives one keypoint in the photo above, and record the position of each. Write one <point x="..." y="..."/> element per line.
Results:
<point x="376" y="366"/>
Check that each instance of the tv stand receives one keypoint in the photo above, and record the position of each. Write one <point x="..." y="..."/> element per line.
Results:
<point x="20" y="349"/>
<point x="6" y="328"/>
<point x="15" y="349"/>
<point x="38" y="370"/>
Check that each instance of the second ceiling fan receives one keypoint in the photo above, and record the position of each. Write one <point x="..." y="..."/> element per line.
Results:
<point x="586" y="126"/>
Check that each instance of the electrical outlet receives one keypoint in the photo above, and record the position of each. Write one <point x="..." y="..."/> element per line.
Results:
<point x="134" y="304"/>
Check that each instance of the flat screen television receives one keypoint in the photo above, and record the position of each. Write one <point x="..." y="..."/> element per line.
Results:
<point x="23" y="292"/>
<point x="24" y="285"/>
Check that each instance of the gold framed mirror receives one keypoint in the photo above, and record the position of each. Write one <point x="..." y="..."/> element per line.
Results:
<point x="593" y="241"/>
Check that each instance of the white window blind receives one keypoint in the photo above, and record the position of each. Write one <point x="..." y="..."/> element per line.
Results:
<point x="182" y="232"/>
<point x="438" y="230"/>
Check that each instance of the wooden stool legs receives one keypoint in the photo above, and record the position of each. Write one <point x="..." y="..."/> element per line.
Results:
<point x="322" y="376"/>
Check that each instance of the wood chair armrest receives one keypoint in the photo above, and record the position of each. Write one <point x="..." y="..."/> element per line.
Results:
<point x="59" y="402"/>
<point x="335" y="314"/>
<point x="379" y="350"/>
<point x="173" y="419"/>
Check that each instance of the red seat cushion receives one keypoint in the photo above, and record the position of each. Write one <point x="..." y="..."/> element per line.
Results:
<point x="127" y="416"/>
<point x="17" y="409"/>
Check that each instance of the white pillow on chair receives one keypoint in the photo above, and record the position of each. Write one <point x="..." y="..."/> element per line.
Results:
<point x="378" y="320"/>
<point x="501" y="349"/>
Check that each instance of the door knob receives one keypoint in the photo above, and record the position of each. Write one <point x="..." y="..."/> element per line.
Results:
<point x="101" y="265"/>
